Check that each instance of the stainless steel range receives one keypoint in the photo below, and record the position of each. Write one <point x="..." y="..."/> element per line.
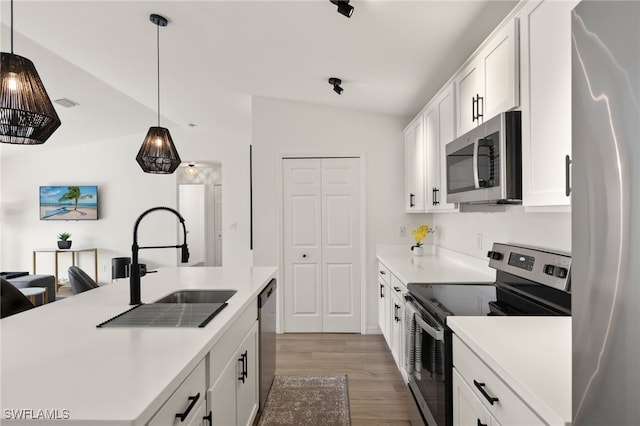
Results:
<point x="529" y="281"/>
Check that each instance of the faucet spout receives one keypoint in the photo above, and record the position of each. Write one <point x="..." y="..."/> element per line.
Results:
<point x="134" y="276"/>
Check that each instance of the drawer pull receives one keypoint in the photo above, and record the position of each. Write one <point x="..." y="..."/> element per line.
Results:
<point x="481" y="424"/>
<point x="383" y="273"/>
<point x="397" y="289"/>
<point x="484" y="393"/>
<point x="209" y="418"/>
<point x="381" y="291"/>
<point x="192" y="402"/>
<point x="243" y="359"/>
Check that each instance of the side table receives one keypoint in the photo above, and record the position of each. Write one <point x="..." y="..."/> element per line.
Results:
<point x="32" y="292"/>
<point x="73" y="252"/>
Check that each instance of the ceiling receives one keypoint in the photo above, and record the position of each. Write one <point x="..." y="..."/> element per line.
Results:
<point x="392" y="56"/>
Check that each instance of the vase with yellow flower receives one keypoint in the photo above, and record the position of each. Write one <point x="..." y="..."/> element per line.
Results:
<point x="420" y="233"/>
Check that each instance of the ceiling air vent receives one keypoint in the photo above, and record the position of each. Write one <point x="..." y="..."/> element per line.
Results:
<point x="67" y="103"/>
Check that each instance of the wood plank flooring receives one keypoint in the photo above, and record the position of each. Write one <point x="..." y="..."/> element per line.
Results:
<point x="377" y="394"/>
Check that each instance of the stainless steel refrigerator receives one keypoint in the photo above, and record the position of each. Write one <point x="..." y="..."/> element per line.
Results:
<point x="606" y="212"/>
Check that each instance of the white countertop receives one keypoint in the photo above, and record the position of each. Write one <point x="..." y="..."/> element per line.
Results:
<point x="54" y="358"/>
<point x="435" y="266"/>
<point x="531" y="354"/>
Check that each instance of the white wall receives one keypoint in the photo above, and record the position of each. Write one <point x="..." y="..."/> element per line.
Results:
<point x="459" y="231"/>
<point x="285" y="128"/>
<point x="124" y="192"/>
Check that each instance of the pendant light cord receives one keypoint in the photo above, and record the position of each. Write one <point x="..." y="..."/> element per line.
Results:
<point x="12" y="27"/>
<point x="158" y="54"/>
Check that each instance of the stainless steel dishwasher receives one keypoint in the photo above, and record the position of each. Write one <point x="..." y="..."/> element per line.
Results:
<point x="267" y="339"/>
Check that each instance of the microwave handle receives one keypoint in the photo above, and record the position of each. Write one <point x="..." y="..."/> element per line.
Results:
<point x="476" y="177"/>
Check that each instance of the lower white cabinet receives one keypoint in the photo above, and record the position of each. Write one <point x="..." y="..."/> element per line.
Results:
<point x="186" y="406"/>
<point x="487" y="389"/>
<point x="233" y="397"/>
<point x="391" y="304"/>
<point x="467" y="408"/>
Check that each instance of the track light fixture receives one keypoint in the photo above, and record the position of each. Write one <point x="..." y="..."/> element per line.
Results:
<point x="336" y="82"/>
<point x="344" y="8"/>
<point x="158" y="154"/>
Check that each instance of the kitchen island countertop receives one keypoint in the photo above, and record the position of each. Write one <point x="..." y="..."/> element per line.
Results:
<point x="55" y="362"/>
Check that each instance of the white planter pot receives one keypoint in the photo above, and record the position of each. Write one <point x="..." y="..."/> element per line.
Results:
<point x="417" y="251"/>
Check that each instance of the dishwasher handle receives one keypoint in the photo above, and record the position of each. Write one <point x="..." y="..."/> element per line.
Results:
<point x="264" y="296"/>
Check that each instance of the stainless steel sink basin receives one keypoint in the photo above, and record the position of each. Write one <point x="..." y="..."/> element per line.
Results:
<point x="197" y="296"/>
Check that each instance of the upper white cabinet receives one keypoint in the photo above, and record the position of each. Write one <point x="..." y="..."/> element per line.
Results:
<point x="439" y="123"/>
<point x="489" y="84"/>
<point x="414" y="166"/>
<point x="545" y="48"/>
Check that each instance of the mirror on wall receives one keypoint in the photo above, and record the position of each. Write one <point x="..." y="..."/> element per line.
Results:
<point x="199" y="186"/>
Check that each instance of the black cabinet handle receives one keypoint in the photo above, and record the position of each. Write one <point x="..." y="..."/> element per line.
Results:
<point x="480" y="111"/>
<point x="484" y="393"/>
<point x="397" y="289"/>
<point x="567" y="175"/>
<point x="383" y="273"/>
<point x="209" y="418"/>
<point x="243" y="359"/>
<point x="381" y="291"/>
<point x="304" y="255"/>
<point x="192" y="402"/>
<point x="481" y="424"/>
<point x="246" y="364"/>
<point x="434" y="196"/>
<point x="411" y="202"/>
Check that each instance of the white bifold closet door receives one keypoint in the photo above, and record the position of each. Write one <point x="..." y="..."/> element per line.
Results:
<point x="322" y="271"/>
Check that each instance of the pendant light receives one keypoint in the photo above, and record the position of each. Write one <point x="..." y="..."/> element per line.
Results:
<point x="27" y="116"/>
<point x="158" y="154"/>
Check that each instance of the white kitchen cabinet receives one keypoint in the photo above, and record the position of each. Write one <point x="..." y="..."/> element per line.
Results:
<point x="494" y="394"/>
<point x="545" y="52"/>
<point x="414" y="166"/>
<point x="184" y="406"/>
<point x="397" y="303"/>
<point x="233" y="398"/>
<point x="233" y="372"/>
<point x="439" y="123"/>
<point x="489" y="84"/>
<point x="467" y="408"/>
<point x="383" y="301"/>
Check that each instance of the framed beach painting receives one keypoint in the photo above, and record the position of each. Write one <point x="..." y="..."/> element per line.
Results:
<point x="68" y="203"/>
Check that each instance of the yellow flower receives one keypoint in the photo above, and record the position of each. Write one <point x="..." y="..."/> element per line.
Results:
<point x="420" y="234"/>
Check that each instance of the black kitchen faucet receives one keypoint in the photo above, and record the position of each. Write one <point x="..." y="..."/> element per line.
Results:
<point x="134" y="279"/>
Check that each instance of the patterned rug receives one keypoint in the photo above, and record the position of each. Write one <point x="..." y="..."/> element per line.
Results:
<point x="307" y="400"/>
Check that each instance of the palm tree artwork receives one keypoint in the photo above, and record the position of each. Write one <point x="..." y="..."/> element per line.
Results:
<point x="73" y="193"/>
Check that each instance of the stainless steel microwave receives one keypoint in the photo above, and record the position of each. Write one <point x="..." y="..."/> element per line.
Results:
<point x="484" y="166"/>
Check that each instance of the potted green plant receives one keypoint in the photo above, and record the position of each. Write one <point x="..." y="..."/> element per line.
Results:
<point x="63" y="240"/>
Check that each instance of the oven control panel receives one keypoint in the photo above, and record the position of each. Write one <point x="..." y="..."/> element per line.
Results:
<point x="541" y="266"/>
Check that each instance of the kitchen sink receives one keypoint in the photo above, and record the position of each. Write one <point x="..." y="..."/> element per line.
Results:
<point x="197" y="296"/>
<point x="182" y="308"/>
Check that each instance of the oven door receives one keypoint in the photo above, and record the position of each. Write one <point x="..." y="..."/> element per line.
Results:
<point x="427" y="381"/>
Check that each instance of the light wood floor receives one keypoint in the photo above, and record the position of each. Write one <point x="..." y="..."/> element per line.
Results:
<point x="377" y="394"/>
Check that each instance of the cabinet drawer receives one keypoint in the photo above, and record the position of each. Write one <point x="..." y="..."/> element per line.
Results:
<point x="398" y="287"/>
<point x="226" y="347"/>
<point x="184" y="400"/>
<point x="509" y="409"/>
<point x="384" y="272"/>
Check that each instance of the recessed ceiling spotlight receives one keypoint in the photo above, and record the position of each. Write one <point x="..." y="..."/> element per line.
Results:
<point x="336" y="82"/>
<point x="192" y="124"/>
<point x="344" y="8"/>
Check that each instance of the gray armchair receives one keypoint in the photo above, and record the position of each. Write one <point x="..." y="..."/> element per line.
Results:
<point x="80" y="281"/>
<point x="12" y="301"/>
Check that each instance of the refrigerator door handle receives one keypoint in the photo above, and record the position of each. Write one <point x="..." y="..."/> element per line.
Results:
<point x="567" y="175"/>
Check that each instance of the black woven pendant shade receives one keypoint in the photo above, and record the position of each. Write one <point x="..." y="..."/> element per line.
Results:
<point x="158" y="154"/>
<point x="27" y="116"/>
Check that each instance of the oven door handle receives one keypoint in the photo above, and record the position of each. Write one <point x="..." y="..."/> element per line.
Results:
<point x="436" y="334"/>
<point x="476" y="176"/>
